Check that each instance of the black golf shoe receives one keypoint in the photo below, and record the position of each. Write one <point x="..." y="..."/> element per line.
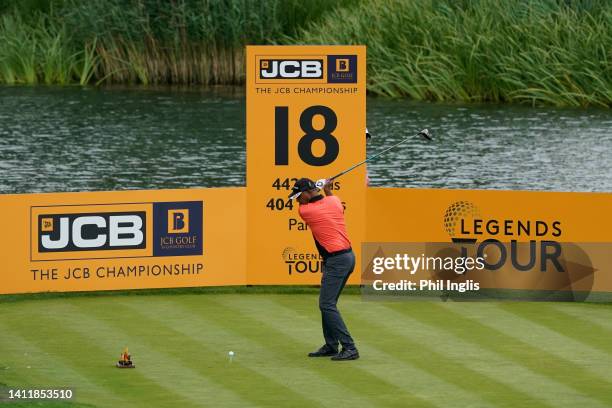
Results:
<point x="324" y="351"/>
<point x="351" y="354"/>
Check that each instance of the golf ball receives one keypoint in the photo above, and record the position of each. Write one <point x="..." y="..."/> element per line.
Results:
<point x="231" y="354"/>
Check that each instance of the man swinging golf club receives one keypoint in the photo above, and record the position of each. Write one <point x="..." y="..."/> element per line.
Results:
<point x="324" y="215"/>
<point x="325" y="218"/>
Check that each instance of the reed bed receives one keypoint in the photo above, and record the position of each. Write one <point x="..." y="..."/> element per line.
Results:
<point x="538" y="52"/>
<point x="553" y="52"/>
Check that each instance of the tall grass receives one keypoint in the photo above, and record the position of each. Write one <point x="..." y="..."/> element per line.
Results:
<point x="184" y="41"/>
<point x="528" y="51"/>
<point x="38" y="51"/>
<point x="143" y="41"/>
<point x="545" y="51"/>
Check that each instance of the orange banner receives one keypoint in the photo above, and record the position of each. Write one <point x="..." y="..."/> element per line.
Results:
<point x="555" y="246"/>
<point x="122" y="240"/>
<point x="198" y="237"/>
<point x="305" y="118"/>
<point x="420" y="215"/>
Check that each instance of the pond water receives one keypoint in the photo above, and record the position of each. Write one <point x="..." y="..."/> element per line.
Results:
<point x="84" y="139"/>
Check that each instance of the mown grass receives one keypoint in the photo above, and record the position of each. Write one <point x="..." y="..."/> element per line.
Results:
<point x="418" y="354"/>
<point x="552" y="52"/>
<point x="201" y="290"/>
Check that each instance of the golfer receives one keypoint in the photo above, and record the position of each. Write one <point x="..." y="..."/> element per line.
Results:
<point x="324" y="215"/>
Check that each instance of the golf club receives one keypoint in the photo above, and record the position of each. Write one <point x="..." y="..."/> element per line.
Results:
<point x="423" y="133"/>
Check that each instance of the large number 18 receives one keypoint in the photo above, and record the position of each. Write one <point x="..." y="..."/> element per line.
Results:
<point x="281" y="135"/>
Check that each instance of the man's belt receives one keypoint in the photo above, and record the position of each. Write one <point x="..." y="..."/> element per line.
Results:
<point x="342" y="251"/>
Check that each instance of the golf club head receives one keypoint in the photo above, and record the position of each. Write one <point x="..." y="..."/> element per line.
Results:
<point x="425" y="134"/>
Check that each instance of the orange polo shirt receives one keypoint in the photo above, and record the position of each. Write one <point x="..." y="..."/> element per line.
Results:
<point x="325" y="218"/>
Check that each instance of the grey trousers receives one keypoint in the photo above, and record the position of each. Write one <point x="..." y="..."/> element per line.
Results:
<point x="336" y="271"/>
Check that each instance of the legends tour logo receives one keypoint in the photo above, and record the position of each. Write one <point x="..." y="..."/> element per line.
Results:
<point x="490" y="236"/>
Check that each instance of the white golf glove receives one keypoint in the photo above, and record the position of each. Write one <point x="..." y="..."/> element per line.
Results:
<point x="321" y="183"/>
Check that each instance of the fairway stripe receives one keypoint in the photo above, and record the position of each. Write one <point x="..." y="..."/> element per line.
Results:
<point x="434" y="369"/>
<point x="167" y="373"/>
<point x="598" y="315"/>
<point x="557" y="375"/>
<point x="50" y="370"/>
<point x="197" y="352"/>
<point x="474" y="355"/>
<point x="405" y="377"/>
<point x="560" y="345"/>
<point x="352" y="374"/>
<point x="327" y="395"/>
<point x="591" y="335"/>
<point x="91" y="368"/>
<point x="475" y="371"/>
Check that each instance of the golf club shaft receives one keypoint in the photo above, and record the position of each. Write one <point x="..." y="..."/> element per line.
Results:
<point x="369" y="158"/>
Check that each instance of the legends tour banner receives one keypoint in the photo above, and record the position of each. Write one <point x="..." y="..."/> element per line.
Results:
<point x="488" y="244"/>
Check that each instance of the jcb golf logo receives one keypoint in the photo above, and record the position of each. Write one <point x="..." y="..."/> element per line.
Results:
<point x="177" y="228"/>
<point x="178" y="221"/>
<point x="343" y="65"/>
<point x="116" y="230"/>
<point x="91" y="231"/>
<point x="342" y="69"/>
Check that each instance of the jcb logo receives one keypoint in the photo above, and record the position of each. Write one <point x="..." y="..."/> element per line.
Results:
<point x="178" y="221"/>
<point x="291" y="68"/>
<point x="124" y="230"/>
<point x="93" y="231"/>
